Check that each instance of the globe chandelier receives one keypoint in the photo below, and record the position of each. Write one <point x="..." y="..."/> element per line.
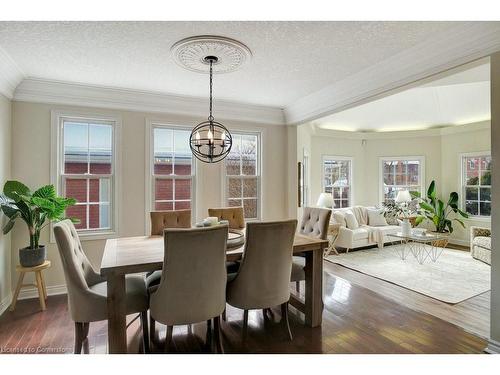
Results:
<point x="210" y="141"/>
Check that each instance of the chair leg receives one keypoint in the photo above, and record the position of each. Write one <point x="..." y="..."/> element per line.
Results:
<point x="217" y="334"/>
<point x="79" y="337"/>
<point x="284" y="318"/>
<point x="152" y="329"/>
<point x="85" y="341"/>
<point x="168" y="338"/>
<point x="245" y="322"/>
<point x="145" y="331"/>
<point x="224" y="317"/>
<point x="297" y="286"/>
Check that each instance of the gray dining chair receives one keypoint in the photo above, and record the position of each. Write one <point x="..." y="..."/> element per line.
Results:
<point x="314" y="223"/>
<point x="193" y="281"/>
<point x="87" y="290"/>
<point x="161" y="220"/>
<point x="263" y="279"/>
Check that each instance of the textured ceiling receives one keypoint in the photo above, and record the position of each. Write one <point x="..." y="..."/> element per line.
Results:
<point x="290" y="59"/>
<point x="455" y="99"/>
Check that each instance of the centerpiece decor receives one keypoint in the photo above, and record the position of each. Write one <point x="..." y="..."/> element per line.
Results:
<point x="403" y="209"/>
<point x="37" y="209"/>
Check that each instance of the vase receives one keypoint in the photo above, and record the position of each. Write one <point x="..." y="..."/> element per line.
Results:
<point x="32" y="257"/>
<point x="406" y="228"/>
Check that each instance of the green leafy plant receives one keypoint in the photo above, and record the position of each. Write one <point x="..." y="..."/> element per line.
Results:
<point x="37" y="209"/>
<point x="436" y="211"/>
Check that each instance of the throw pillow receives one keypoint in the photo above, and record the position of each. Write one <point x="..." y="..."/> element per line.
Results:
<point x="339" y="218"/>
<point x="376" y="218"/>
<point x="350" y="220"/>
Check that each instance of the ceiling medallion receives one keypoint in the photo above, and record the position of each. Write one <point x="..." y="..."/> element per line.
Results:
<point x="190" y="53"/>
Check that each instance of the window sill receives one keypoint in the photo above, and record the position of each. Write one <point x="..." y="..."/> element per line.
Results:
<point x="484" y="219"/>
<point x="101" y="235"/>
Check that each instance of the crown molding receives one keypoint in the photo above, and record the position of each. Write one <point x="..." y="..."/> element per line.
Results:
<point x="460" y="45"/>
<point x="10" y="74"/>
<point x="65" y="93"/>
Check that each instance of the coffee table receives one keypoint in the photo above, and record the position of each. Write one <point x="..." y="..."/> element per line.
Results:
<point x="420" y="245"/>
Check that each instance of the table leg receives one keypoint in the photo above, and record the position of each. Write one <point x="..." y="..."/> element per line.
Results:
<point x="117" y="334"/>
<point x="314" y="287"/>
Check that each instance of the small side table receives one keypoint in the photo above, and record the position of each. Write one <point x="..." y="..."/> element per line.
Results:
<point x="40" y="283"/>
<point x="333" y="232"/>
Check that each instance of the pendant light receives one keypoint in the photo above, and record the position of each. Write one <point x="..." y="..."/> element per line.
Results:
<point x="210" y="141"/>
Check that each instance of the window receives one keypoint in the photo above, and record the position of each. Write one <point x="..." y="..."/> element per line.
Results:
<point x="86" y="167"/>
<point x="476" y="184"/>
<point x="401" y="174"/>
<point x="242" y="174"/>
<point x="172" y="169"/>
<point x="337" y="179"/>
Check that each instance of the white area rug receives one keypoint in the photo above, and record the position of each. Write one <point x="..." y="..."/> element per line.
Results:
<point x="453" y="278"/>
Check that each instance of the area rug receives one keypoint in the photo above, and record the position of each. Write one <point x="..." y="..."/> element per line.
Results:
<point x="453" y="278"/>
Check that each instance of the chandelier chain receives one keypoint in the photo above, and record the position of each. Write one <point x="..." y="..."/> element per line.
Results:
<point x="210" y="117"/>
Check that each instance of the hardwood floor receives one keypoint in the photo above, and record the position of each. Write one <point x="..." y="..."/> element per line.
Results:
<point x="356" y="319"/>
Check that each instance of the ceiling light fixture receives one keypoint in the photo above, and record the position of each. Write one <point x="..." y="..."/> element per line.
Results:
<point x="210" y="141"/>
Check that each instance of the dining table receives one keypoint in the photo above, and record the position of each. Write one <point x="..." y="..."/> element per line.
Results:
<point x="129" y="255"/>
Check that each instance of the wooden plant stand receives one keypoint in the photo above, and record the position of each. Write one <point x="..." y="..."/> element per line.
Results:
<point x="40" y="283"/>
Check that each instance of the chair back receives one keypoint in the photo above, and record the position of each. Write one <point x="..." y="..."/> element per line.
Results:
<point x="263" y="279"/>
<point x="315" y="222"/>
<point x="78" y="271"/>
<point x="193" y="282"/>
<point x="234" y="215"/>
<point x="161" y="220"/>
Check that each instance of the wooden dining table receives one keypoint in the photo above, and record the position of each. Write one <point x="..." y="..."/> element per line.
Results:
<point x="128" y="255"/>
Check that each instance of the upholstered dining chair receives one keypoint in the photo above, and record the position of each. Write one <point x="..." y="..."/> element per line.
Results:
<point x="161" y="220"/>
<point x="314" y="223"/>
<point x="234" y="215"/>
<point x="193" y="282"/>
<point x="236" y="219"/>
<point x="87" y="290"/>
<point x="263" y="279"/>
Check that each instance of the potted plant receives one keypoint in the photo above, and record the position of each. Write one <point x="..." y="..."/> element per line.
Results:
<point x="401" y="210"/>
<point x="436" y="211"/>
<point x="37" y="209"/>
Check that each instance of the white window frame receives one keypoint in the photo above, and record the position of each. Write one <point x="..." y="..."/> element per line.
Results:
<point x="57" y="165"/>
<point x="421" y="176"/>
<point x="350" y="159"/>
<point x="305" y="178"/>
<point x="462" y="185"/>
<point x="225" y="176"/>
<point x="149" y="177"/>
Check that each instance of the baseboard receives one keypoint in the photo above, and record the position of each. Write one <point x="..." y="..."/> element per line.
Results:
<point x="5" y="303"/>
<point x="51" y="291"/>
<point x="459" y="242"/>
<point x="493" y="347"/>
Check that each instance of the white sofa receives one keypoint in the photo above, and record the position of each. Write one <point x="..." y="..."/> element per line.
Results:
<point x="365" y="234"/>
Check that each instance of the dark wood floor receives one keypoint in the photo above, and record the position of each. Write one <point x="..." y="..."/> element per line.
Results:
<point x="355" y="320"/>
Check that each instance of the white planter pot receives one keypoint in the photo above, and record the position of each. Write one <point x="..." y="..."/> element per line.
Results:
<point x="406" y="227"/>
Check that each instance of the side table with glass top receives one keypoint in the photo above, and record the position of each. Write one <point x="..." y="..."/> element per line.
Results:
<point x="421" y="246"/>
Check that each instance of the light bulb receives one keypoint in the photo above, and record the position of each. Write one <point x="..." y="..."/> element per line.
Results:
<point x="197" y="138"/>
<point x="210" y="136"/>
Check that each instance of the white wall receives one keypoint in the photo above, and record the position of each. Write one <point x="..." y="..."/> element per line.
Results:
<point x="31" y="164"/>
<point x="441" y="149"/>
<point x="5" y="163"/>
